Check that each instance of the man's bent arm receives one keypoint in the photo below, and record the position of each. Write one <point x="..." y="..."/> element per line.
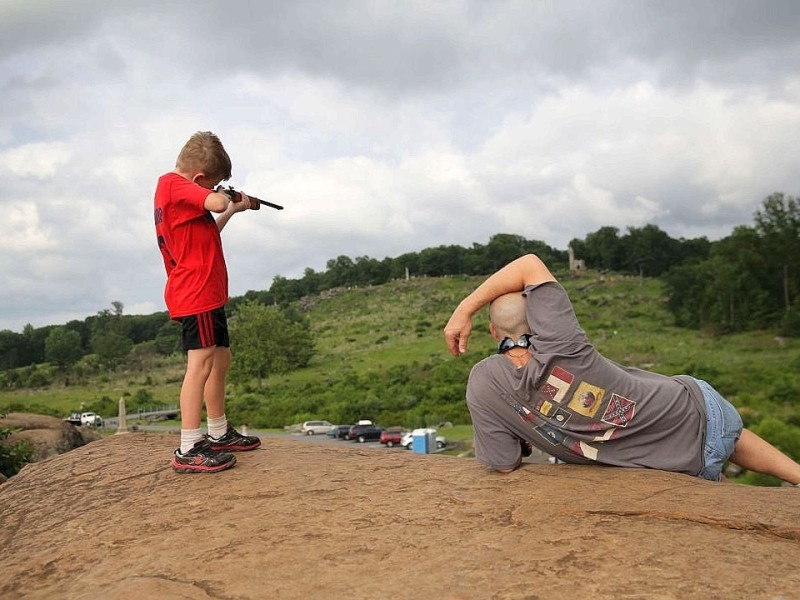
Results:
<point x="524" y="271"/>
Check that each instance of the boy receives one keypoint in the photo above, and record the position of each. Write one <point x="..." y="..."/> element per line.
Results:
<point x="547" y="386"/>
<point x="196" y="293"/>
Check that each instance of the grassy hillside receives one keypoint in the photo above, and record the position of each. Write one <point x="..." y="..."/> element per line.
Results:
<point x="381" y="355"/>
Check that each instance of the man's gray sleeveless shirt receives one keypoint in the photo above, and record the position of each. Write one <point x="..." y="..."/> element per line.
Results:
<point x="578" y="406"/>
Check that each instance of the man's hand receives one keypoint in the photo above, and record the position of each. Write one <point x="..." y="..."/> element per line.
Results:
<point x="456" y="332"/>
<point x="526" y="270"/>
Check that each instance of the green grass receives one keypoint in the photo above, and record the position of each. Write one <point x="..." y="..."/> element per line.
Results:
<point x="380" y="354"/>
<point x="362" y="333"/>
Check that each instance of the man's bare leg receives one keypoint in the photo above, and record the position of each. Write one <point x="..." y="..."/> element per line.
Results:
<point x="755" y="454"/>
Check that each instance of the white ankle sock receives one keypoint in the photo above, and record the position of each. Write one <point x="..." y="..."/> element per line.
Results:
<point x="217" y="427"/>
<point x="189" y="437"/>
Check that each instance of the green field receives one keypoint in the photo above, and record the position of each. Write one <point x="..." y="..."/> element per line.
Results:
<point x="380" y="354"/>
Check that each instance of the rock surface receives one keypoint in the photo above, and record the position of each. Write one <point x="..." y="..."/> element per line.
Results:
<point x="292" y="520"/>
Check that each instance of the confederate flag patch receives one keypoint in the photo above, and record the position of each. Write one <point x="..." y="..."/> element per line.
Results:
<point x="557" y="384"/>
<point x="619" y="411"/>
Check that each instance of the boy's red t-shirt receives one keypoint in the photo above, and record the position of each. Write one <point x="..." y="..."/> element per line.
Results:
<point x="189" y="240"/>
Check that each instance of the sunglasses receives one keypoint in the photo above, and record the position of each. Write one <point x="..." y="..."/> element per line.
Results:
<point x="507" y="343"/>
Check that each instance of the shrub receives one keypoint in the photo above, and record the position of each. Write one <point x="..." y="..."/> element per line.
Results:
<point x="790" y="325"/>
<point x="781" y="435"/>
<point x="13" y="456"/>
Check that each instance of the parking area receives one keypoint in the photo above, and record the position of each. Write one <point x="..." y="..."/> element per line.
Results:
<point x="326" y="440"/>
<point x="318" y="439"/>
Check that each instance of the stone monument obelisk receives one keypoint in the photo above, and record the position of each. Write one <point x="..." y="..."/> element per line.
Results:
<point x="122" y="424"/>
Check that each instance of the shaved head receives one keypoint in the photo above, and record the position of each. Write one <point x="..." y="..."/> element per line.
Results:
<point x="507" y="314"/>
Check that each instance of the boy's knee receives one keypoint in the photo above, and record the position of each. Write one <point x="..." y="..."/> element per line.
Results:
<point x="201" y="360"/>
<point x="222" y="358"/>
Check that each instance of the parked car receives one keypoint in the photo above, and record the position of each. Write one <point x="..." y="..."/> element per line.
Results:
<point x="408" y="440"/>
<point x="91" y="419"/>
<point x="74" y="418"/>
<point x="340" y="431"/>
<point x="365" y="433"/>
<point x="335" y="429"/>
<point x="314" y="427"/>
<point x="392" y="437"/>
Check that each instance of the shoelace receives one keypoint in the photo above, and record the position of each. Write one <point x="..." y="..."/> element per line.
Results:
<point x="201" y="446"/>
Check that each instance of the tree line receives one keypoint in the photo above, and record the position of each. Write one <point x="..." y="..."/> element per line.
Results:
<point x="748" y="280"/>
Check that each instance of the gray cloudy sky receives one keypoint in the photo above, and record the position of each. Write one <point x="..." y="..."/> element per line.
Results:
<point x="383" y="126"/>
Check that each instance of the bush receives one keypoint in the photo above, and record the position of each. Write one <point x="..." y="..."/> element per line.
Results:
<point x="105" y="406"/>
<point x="790" y="324"/>
<point x="784" y="437"/>
<point x="758" y="479"/>
<point x="13" y="456"/>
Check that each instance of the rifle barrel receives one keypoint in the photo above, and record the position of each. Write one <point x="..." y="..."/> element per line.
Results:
<point x="270" y="204"/>
<point x="232" y="193"/>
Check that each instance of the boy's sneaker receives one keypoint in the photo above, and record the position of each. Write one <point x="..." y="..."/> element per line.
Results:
<point x="233" y="441"/>
<point x="202" y="458"/>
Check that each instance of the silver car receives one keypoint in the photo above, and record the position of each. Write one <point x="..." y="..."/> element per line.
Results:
<point x="315" y="427"/>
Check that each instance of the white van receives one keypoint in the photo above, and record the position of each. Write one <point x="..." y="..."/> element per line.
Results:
<point x="315" y="427"/>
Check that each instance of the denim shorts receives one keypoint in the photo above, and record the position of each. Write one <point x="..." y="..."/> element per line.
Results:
<point x="723" y="428"/>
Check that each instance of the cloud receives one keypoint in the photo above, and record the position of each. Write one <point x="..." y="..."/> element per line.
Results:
<point x="382" y="127"/>
<point x="37" y="160"/>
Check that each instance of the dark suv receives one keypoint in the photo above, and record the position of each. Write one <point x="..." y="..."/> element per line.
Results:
<point x="339" y="432"/>
<point x="365" y="433"/>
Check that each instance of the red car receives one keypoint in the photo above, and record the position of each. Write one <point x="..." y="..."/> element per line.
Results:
<point x="391" y="438"/>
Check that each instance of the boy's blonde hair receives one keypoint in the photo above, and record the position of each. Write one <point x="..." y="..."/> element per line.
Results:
<point x="204" y="153"/>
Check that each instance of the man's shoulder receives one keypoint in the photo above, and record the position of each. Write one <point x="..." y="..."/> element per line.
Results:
<point x="549" y="286"/>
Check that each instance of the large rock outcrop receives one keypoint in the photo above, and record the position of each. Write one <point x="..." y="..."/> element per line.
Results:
<point x="293" y="520"/>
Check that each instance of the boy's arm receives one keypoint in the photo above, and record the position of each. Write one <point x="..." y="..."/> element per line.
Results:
<point x="524" y="271"/>
<point x="216" y="202"/>
<point x="221" y="203"/>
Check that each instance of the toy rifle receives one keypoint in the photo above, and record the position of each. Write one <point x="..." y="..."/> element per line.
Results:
<point x="255" y="203"/>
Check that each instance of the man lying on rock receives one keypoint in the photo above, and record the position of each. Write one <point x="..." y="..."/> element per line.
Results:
<point x="548" y="387"/>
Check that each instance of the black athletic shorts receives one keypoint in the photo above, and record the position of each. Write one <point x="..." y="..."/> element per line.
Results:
<point x="205" y="330"/>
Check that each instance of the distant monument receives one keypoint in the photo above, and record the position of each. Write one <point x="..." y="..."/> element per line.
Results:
<point x="122" y="423"/>
<point x="575" y="265"/>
